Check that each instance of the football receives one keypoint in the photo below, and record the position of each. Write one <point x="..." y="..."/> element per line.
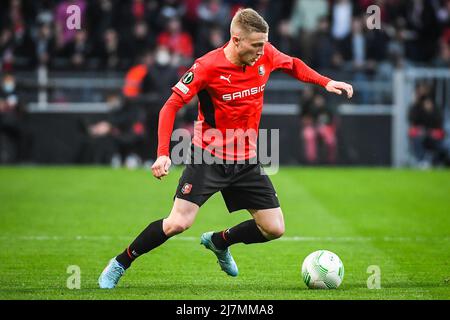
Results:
<point x="322" y="269"/>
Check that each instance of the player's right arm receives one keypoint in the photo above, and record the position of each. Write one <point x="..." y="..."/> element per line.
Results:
<point x="165" y="127"/>
<point x="192" y="82"/>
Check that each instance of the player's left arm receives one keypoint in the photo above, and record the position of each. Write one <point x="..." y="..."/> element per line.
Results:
<point x="299" y="70"/>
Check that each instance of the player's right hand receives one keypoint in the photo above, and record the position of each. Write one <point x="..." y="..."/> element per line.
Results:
<point x="161" y="167"/>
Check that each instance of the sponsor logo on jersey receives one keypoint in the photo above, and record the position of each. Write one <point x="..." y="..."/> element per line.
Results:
<point x="186" y="189"/>
<point x="243" y="93"/>
<point x="226" y="78"/>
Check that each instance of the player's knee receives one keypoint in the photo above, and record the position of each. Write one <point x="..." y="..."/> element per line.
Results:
<point x="278" y="232"/>
<point x="181" y="227"/>
<point x="274" y="231"/>
<point x="175" y="227"/>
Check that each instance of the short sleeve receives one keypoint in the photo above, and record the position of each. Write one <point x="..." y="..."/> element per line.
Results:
<point x="193" y="81"/>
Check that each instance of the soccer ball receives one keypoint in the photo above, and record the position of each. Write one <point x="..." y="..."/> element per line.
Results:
<point x="322" y="269"/>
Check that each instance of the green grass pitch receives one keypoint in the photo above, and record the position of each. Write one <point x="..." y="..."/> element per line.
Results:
<point x="52" y="218"/>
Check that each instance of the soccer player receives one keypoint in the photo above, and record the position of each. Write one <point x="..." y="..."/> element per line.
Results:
<point x="229" y="82"/>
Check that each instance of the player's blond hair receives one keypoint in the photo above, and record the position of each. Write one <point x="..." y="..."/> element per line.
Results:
<point x="247" y="21"/>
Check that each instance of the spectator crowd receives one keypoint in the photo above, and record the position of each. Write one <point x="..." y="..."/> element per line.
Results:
<point x="325" y="33"/>
<point x="153" y="42"/>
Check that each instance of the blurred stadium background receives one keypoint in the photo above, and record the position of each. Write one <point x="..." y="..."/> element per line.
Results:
<point x="92" y="95"/>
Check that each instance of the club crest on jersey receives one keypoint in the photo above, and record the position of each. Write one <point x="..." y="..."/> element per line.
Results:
<point x="261" y="70"/>
<point x="188" y="77"/>
<point x="186" y="189"/>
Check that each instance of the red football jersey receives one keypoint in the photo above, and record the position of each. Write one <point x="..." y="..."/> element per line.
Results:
<point x="231" y="98"/>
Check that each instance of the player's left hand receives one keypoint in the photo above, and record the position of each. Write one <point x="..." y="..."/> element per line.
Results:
<point x="337" y="87"/>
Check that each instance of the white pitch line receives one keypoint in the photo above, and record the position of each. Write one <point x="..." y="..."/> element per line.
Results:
<point x="181" y="238"/>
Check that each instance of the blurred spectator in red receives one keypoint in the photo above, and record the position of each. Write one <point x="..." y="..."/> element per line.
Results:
<point x="178" y="41"/>
<point x="138" y="9"/>
<point x="318" y="127"/>
<point x="426" y="132"/>
<point x="132" y="87"/>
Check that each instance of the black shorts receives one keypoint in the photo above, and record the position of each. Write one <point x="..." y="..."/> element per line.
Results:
<point x="243" y="185"/>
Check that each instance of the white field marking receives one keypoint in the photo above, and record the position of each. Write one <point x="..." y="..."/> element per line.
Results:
<point x="181" y="238"/>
